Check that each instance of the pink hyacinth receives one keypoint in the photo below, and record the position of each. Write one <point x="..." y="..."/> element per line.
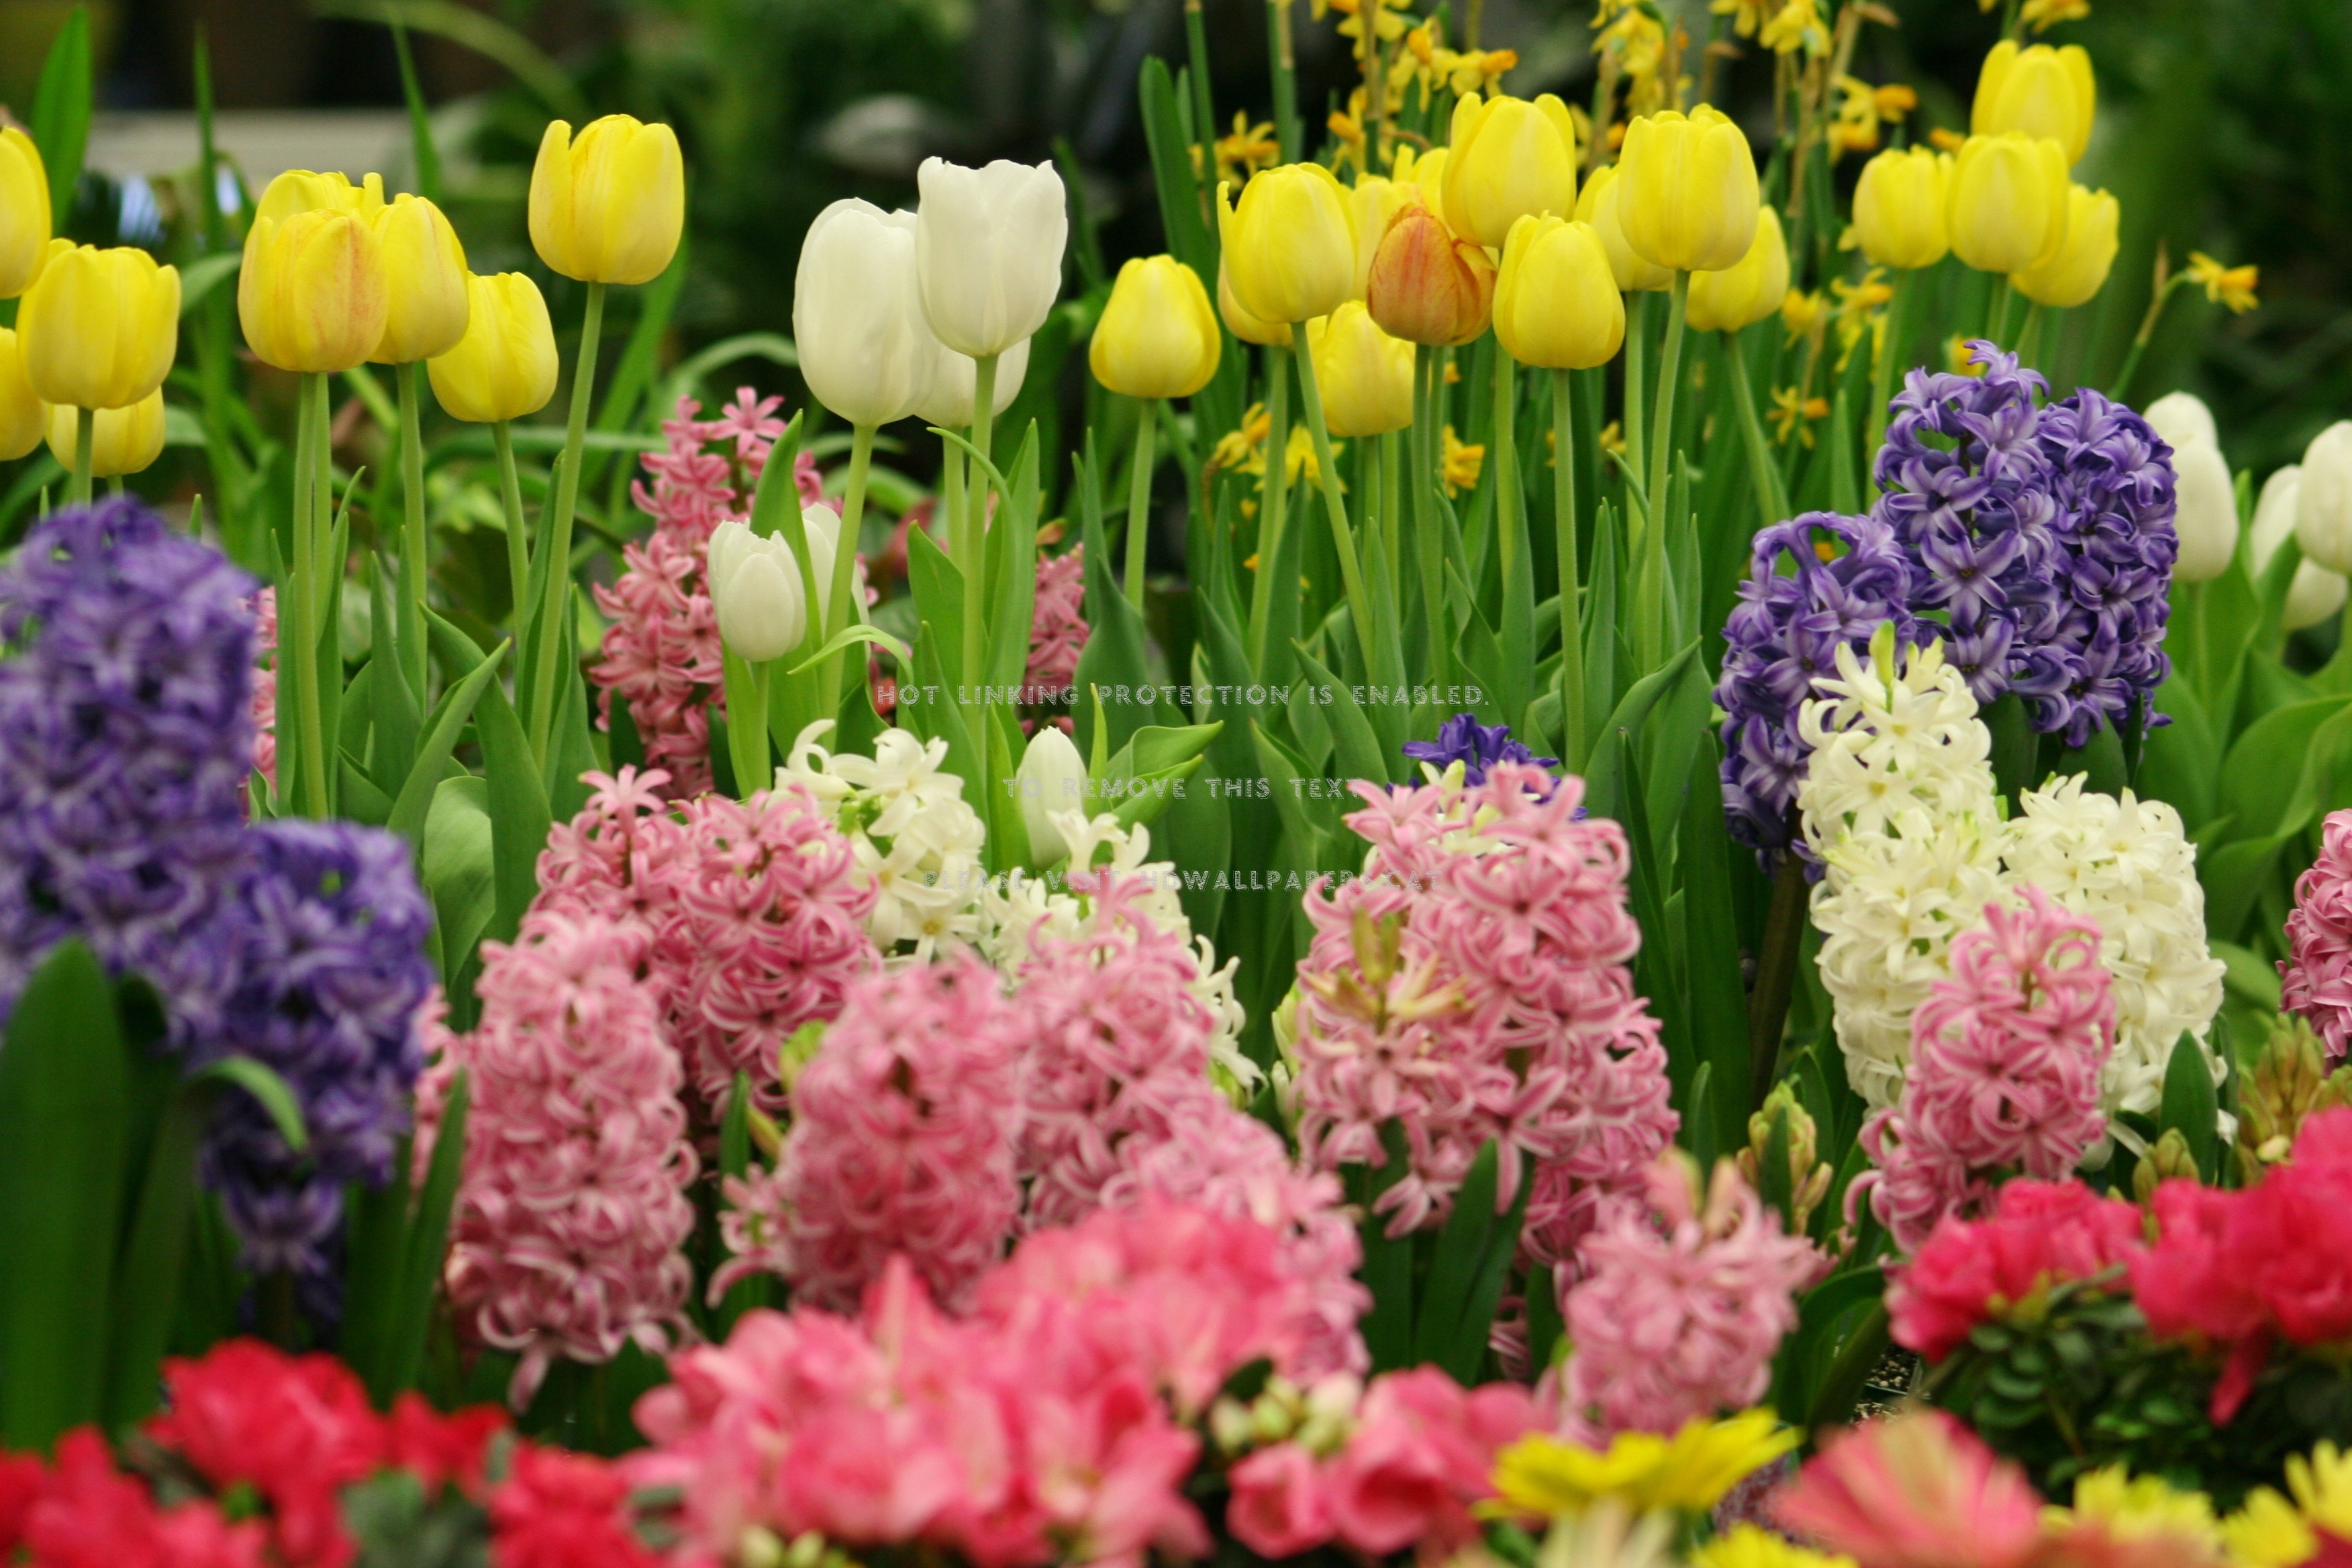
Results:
<point x="1058" y="624"/>
<point x="2315" y="979"/>
<point x="661" y="653"/>
<point x="2005" y="1060"/>
<point x="1473" y="986"/>
<point x="1918" y="1491"/>
<point x="1683" y="1305"/>
<point x="902" y="1141"/>
<point x="572" y="1208"/>
<point x="265" y="684"/>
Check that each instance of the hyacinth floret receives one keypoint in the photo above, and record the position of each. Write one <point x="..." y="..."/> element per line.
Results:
<point x="2315" y="979"/>
<point x="914" y="840"/>
<point x="126" y="673"/>
<point x="1057" y="623"/>
<point x="1477" y="747"/>
<point x="1846" y="578"/>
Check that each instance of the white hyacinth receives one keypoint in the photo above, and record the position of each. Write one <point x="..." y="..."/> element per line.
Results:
<point x="915" y="837"/>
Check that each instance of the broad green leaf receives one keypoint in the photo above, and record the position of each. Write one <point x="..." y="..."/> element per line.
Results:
<point x="147" y="1302"/>
<point x="1467" y="1272"/>
<point x="2191" y="1106"/>
<point x="424" y="1245"/>
<point x="458" y="866"/>
<point x="1387" y="1267"/>
<point x="61" y="109"/>
<point x="449" y="720"/>
<point x="1355" y="747"/>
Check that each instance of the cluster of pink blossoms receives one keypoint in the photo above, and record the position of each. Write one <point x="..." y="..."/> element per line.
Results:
<point x="2315" y="981"/>
<point x="1473" y="986"/>
<point x="1058" y="624"/>
<point x="571" y="1206"/>
<point x="1682" y="1304"/>
<point x="753" y="909"/>
<point x="1045" y="1426"/>
<point x="2004" y="1074"/>
<point x="661" y="652"/>
<point x="901" y="1145"/>
<point x="265" y="684"/>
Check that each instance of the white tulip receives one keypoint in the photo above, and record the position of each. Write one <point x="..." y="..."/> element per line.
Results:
<point x="947" y="403"/>
<point x="857" y="320"/>
<point x="2323" y="512"/>
<point x="2206" y="515"/>
<point x="1052" y="778"/>
<point x="2316" y="593"/>
<point x="823" y="526"/>
<point x="2181" y="418"/>
<point x="988" y="251"/>
<point x="755" y="591"/>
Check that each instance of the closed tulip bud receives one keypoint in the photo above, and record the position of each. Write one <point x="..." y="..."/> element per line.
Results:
<point x="1598" y="208"/>
<point x="2316" y="593"/>
<point x="1290" y="245"/>
<point x="857" y="321"/>
<point x="2009" y="202"/>
<point x="1737" y="296"/>
<point x="1373" y="203"/>
<point x="1687" y="196"/>
<point x="2080" y="269"/>
<point x="1366" y="375"/>
<point x="1157" y="338"/>
<point x="1555" y="300"/>
<point x="504" y="367"/>
<point x="302" y="190"/>
<point x="122" y="440"/>
<point x="98" y="328"/>
<point x="988" y="251"/>
<point x="954" y="378"/>
<point x="2038" y="91"/>
<point x="755" y="593"/>
<point x="609" y="207"/>
<point x="23" y="212"/>
<point x="312" y="294"/>
<point x="1052" y="778"/>
<point x="24" y="417"/>
<point x="1240" y="322"/>
<point x="2181" y="418"/>
<point x="2205" y="516"/>
<point x="1510" y="159"/>
<point x="424" y="278"/>
<point x="2323" y="509"/>
<point x="1426" y="286"/>
<point x="1898" y="208"/>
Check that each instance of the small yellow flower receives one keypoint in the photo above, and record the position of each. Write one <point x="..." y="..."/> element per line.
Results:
<point x="1797" y="25"/>
<point x="2044" y="15"/>
<point x="2267" y="1533"/>
<point x="1612" y="437"/>
<point x="1802" y="312"/>
<point x="1460" y="464"/>
<point x="1249" y="149"/>
<point x="1747" y="16"/>
<point x="2230" y="286"/>
<point x="1944" y="141"/>
<point x="1453" y="374"/>
<point x="1854" y="299"/>
<point x="1242" y="451"/>
<point x="1690" y="1471"/>
<point x="1861" y="108"/>
<point x="1347" y="128"/>
<point x="1299" y="464"/>
<point x="1748" y="1547"/>
<point x="2134" y="1507"/>
<point x="1387" y="27"/>
<point x="1793" y="415"/>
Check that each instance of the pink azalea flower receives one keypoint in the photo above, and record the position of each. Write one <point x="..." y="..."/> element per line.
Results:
<point x="2038" y="1234"/>
<point x="1422" y="1450"/>
<point x="1279" y="1506"/>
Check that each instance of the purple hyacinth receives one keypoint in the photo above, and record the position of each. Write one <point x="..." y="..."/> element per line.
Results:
<point x="1477" y="747"/>
<point x="323" y="947"/>
<point x="1845" y="576"/>
<point x="2096" y="655"/>
<point x="124" y="742"/>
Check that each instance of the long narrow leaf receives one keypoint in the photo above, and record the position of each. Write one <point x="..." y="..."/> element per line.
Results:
<point x="449" y="716"/>
<point x="426" y="1240"/>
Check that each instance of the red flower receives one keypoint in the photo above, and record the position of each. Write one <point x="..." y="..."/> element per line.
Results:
<point x="90" y="1515"/>
<point x="2040" y="1233"/>
<point x="21" y="1481"/>
<point x="558" y="1509"/>
<point x="441" y="1451"/>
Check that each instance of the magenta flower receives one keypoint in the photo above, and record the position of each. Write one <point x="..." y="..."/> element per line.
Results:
<point x="572" y="1208"/>
<point x="1683" y="1305"/>
<point x="2315" y="980"/>
<point x="265" y="684"/>
<point x="1058" y="624"/>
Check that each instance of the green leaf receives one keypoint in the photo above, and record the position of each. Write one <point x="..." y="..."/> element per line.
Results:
<point x="1012" y="581"/>
<point x="1354" y="746"/>
<point x="457" y="865"/>
<point x="937" y="585"/>
<point x="2190" y="1105"/>
<point x="520" y="816"/>
<point x="425" y="155"/>
<point x="448" y="720"/>
<point x="64" y="1099"/>
<point x="778" y="496"/>
<point x="1467" y="1271"/>
<point x="851" y="635"/>
<point x="1113" y="661"/>
<point x="148" y="1297"/>
<point x="1287" y="776"/>
<point x="735" y="1160"/>
<point x="200" y="277"/>
<point x="1719" y="1001"/>
<point x="259" y="1079"/>
<point x="1387" y="1267"/>
<point x="61" y="108"/>
<point x="1604" y="783"/>
<point x="482" y="33"/>
<point x="424" y="1245"/>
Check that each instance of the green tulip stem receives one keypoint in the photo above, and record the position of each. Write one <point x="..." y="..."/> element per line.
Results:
<point x="747" y="720"/>
<point x="2029" y="336"/>
<point x="1662" y="441"/>
<point x="1771" y="489"/>
<point x="1510" y="496"/>
<point x="517" y="547"/>
<point x="1571" y="618"/>
<point x="947" y="508"/>
<point x="839" y="608"/>
<point x="1343" y="540"/>
<point x="973" y="562"/>
<point x="1138" y="503"/>
<point x="2163" y="297"/>
<point x="1273" y="497"/>
<point x="1283" y="65"/>
<point x="555" y="530"/>
<point x="115" y="484"/>
<point x="1392" y="515"/>
<point x="412" y="538"/>
<point x="1426" y="553"/>
<point x="298" y="642"/>
<point x="1891" y="352"/>
<point x="85" y="438"/>
<point x="1637" y="381"/>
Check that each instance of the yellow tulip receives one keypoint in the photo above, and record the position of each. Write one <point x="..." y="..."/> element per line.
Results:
<point x="312" y="295"/>
<point x="1687" y="196"/>
<point x="122" y="440"/>
<point x="302" y="191"/>
<point x="1557" y="305"/>
<point x="1157" y="338"/>
<point x="1598" y="207"/>
<point x="504" y="367"/>
<point x="1510" y="159"/>
<point x="609" y="207"/>
<point x="2007" y="209"/>
<point x="2039" y="91"/>
<point x="1898" y="208"/>
<point x="1739" y="296"/>
<point x="1365" y="374"/>
<point x="23" y="212"/>
<point x="24" y="417"/>
<point x="1240" y="322"/>
<point x="1425" y="172"/>
<point x="424" y="278"/>
<point x="1290" y="244"/>
<point x="1427" y="286"/>
<point x="98" y="328"/>
<point x="2080" y="268"/>
<point x="1372" y="205"/>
